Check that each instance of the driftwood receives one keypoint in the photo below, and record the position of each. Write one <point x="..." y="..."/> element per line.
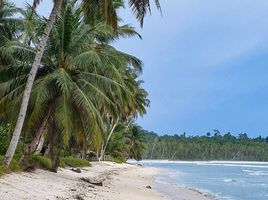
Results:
<point x="148" y="187"/>
<point x="77" y="170"/>
<point x="29" y="169"/>
<point x="98" y="183"/>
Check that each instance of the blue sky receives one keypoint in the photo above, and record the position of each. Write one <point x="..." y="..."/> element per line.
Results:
<point x="205" y="65"/>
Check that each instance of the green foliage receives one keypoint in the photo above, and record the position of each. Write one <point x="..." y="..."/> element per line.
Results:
<point x="119" y="160"/>
<point x="82" y="76"/>
<point x="126" y="144"/>
<point x="13" y="167"/>
<point x="104" y="10"/>
<point x="136" y="142"/>
<point x="82" y="81"/>
<point x="43" y="162"/>
<point x="40" y="161"/>
<point x="212" y="146"/>
<point x="4" y="138"/>
<point x="117" y="148"/>
<point x="74" y="162"/>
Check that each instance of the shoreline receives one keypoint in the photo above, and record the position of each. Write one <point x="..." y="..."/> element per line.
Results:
<point x="120" y="182"/>
<point x="173" y="191"/>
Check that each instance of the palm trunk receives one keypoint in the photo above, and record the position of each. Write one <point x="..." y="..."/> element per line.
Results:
<point x="97" y="156"/>
<point x="101" y="153"/>
<point x="153" y="149"/>
<point x="30" y="148"/>
<point x="26" y="96"/>
<point x="40" y="144"/>
<point x="39" y="134"/>
<point x="54" y="139"/>
<point x="47" y="149"/>
<point x="104" y="147"/>
<point x="172" y="157"/>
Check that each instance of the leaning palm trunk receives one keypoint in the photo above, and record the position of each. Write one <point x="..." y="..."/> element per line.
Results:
<point x="104" y="147"/>
<point x="26" y="96"/>
<point x="40" y="144"/>
<point x="30" y="148"/>
<point x="39" y="135"/>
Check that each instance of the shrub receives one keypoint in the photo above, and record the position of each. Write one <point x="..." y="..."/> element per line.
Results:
<point x="4" y="138"/>
<point x="2" y="158"/>
<point x="74" y="162"/>
<point x="40" y="161"/>
<point x="118" y="160"/>
<point x="13" y="167"/>
<point x="3" y="169"/>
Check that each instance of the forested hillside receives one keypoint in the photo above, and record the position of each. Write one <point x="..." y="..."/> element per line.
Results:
<point x="212" y="146"/>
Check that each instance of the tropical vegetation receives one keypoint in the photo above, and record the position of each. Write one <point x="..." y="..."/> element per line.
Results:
<point x="65" y="91"/>
<point x="211" y="146"/>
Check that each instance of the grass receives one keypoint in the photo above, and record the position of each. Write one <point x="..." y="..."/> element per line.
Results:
<point x="46" y="163"/>
<point x="74" y="162"/>
<point x="40" y="161"/>
<point x="13" y="167"/>
<point x="118" y="160"/>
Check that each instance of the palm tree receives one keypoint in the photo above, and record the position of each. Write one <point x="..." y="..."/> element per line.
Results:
<point x="128" y="109"/>
<point x="117" y="147"/>
<point x="8" y="27"/>
<point x="7" y="21"/>
<point x="81" y="79"/>
<point x="136" y="142"/>
<point x="108" y="11"/>
<point x="31" y="77"/>
<point x="30" y="26"/>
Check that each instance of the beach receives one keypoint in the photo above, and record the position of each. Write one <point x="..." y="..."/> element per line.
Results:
<point x="120" y="182"/>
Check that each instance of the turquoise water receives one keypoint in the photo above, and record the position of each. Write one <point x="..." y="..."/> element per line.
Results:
<point x="223" y="180"/>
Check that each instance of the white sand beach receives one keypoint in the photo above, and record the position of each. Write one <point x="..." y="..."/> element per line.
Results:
<point x="121" y="182"/>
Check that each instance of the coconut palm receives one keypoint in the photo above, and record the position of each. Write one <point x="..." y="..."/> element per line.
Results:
<point x="31" y="77"/>
<point x="108" y="12"/>
<point x="81" y="79"/>
<point x="117" y="147"/>
<point x="30" y="26"/>
<point x="129" y="110"/>
<point x="136" y="142"/>
<point x="7" y="20"/>
<point x="8" y="27"/>
<point x="125" y="144"/>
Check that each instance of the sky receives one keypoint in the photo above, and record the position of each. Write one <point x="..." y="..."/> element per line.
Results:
<point x="205" y="65"/>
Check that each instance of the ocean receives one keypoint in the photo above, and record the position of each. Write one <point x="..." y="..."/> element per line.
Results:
<point x="223" y="180"/>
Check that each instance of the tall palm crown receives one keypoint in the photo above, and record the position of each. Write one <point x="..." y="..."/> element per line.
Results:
<point x="107" y="9"/>
<point x="80" y="79"/>
<point x="136" y="141"/>
<point x="8" y="26"/>
<point x="8" y="23"/>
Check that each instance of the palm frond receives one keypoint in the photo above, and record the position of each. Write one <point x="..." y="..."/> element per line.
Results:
<point x="141" y="7"/>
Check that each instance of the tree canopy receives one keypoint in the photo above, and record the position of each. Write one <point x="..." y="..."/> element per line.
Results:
<point x="212" y="146"/>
